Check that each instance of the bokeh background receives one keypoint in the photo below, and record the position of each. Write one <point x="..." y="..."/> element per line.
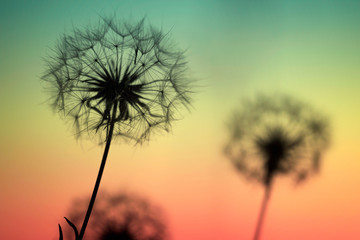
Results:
<point x="309" y="49"/>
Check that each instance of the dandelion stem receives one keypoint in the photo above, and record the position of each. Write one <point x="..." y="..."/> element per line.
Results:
<point x="262" y="211"/>
<point x="98" y="179"/>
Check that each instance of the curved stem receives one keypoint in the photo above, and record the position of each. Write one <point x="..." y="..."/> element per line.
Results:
<point x="262" y="212"/>
<point x="98" y="179"/>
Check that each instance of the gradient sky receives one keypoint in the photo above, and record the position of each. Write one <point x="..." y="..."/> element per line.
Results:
<point x="308" y="48"/>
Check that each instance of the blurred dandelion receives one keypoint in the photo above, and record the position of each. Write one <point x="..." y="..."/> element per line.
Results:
<point x="122" y="216"/>
<point x="117" y="80"/>
<point x="276" y="135"/>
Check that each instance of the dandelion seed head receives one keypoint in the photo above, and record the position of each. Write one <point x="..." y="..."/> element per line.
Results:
<point x="122" y="216"/>
<point x="128" y="75"/>
<point x="276" y="135"/>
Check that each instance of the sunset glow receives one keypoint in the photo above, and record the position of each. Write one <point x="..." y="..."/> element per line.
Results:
<point x="234" y="49"/>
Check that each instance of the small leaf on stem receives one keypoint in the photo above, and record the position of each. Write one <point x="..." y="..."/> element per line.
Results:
<point x="73" y="227"/>
<point x="60" y="233"/>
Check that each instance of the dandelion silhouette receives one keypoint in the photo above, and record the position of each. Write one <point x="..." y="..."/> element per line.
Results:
<point x="117" y="80"/>
<point x="122" y="216"/>
<point x="276" y="135"/>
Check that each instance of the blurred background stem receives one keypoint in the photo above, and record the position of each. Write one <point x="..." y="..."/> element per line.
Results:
<point x="262" y="212"/>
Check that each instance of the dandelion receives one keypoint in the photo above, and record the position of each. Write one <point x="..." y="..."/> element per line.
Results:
<point x="122" y="216"/>
<point x="117" y="80"/>
<point x="276" y="135"/>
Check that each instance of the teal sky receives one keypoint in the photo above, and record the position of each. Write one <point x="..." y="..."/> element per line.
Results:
<point x="248" y="40"/>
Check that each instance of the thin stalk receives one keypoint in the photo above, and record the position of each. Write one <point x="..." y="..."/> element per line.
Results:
<point x="100" y="173"/>
<point x="262" y="212"/>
